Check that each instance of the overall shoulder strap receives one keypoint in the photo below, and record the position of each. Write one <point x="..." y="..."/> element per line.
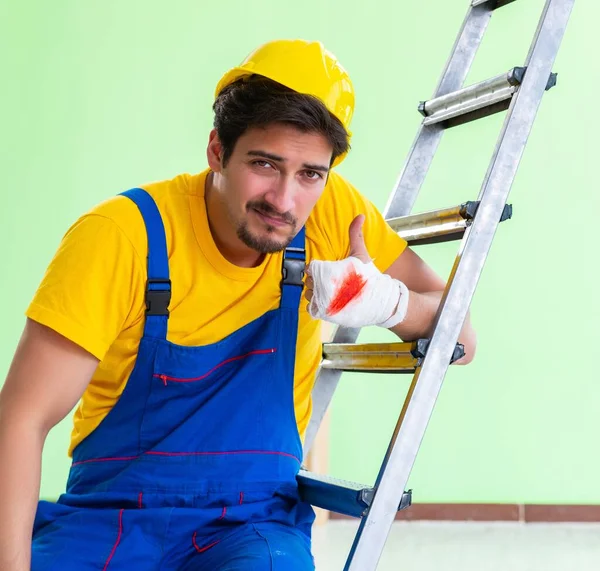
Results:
<point x="158" y="285"/>
<point x="294" y="261"/>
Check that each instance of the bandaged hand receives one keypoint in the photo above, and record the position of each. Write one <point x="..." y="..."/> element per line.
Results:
<point x="353" y="292"/>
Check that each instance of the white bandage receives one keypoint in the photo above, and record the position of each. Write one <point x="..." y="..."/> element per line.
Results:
<point x="354" y="294"/>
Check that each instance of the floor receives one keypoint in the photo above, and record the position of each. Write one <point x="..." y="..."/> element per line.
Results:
<point x="429" y="546"/>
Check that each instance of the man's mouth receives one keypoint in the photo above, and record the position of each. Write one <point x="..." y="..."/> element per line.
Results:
<point x="270" y="219"/>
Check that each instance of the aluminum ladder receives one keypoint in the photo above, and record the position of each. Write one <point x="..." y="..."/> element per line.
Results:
<point x="519" y="92"/>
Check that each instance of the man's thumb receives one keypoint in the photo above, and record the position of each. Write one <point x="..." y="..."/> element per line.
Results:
<point x="358" y="248"/>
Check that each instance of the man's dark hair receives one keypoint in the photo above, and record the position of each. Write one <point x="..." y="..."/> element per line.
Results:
<point x="257" y="101"/>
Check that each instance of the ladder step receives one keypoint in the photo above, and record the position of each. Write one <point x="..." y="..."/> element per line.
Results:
<point x="340" y="496"/>
<point x="379" y="357"/>
<point x="475" y="101"/>
<point x="375" y="357"/>
<point x="439" y="225"/>
<point x="494" y="4"/>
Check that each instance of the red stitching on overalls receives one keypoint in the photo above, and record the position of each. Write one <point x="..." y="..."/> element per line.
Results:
<point x="206" y="547"/>
<point x="140" y="505"/>
<point x="158" y="453"/>
<point x="116" y="542"/>
<point x="241" y="498"/>
<point x="269" y="452"/>
<point x="224" y="512"/>
<point x="165" y="378"/>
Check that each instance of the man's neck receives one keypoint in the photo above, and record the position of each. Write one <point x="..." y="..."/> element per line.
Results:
<point x="223" y="233"/>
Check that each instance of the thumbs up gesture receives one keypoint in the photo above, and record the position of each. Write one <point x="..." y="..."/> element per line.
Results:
<point x="353" y="292"/>
<point x="358" y="248"/>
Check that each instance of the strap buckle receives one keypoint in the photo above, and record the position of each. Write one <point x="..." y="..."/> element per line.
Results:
<point x="157" y="300"/>
<point x="293" y="272"/>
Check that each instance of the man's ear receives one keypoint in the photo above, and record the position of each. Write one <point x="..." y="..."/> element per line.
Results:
<point x="214" y="152"/>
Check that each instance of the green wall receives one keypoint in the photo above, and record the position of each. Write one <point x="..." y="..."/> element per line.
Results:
<point x="101" y="96"/>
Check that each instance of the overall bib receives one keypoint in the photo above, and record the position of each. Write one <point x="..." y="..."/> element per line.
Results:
<point x="195" y="466"/>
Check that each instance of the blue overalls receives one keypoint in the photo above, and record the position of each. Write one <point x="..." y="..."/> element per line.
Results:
<point x="195" y="466"/>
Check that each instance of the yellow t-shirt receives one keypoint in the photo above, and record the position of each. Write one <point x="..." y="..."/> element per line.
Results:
<point x="93" y="290"/>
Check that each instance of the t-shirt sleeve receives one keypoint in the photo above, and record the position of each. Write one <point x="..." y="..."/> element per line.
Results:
<point x="93" y="287"/>
<point x="340" y="204"/>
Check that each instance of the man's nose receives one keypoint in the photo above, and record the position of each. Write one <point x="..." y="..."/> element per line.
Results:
<point x="281" y="195"/>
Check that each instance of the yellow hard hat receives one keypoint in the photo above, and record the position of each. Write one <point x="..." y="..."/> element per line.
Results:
<point x="305" y="67"/>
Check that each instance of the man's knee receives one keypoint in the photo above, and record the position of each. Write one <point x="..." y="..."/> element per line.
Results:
<point x="261" y="547"/>
<point x="288" y="549"/>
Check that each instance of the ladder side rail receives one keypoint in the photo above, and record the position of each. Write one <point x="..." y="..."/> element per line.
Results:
<point x="422" y="395"/>
<point x="426" y="142"/>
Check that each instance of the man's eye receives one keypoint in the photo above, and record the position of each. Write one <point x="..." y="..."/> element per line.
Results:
<point x="313" y="175"/>
<point x="263" y="164"/>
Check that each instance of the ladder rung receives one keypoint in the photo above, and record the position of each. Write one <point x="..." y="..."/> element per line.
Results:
<point x="494" y="3"/>
<point x="492" y="95"/>
<point x="379" y="357"/>
<point x="439" y="225"/>
<point x="476" y="101"/>
<point x="339" y="496"/>
<point x="375" y="357"/>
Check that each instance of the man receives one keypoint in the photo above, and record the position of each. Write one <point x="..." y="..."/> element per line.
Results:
<point x="177" y="317"/>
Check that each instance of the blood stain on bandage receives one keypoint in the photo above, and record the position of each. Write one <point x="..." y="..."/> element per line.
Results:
<point x="351" y="288"/>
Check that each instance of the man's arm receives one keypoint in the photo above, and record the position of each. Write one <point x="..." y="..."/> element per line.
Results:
<point x="47" y="377"/>
<point x="425" y="293"/>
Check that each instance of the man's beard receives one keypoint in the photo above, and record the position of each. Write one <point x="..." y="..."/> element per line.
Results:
<point x="266" y="245"/>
